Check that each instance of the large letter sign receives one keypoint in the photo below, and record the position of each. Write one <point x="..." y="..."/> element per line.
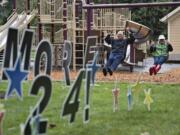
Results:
<point x="16" y="68"/>
<point x="67" y="54"/>
<point x="44" y="48"/>
<point x="12" y="50"/>
<point x="41" y="81"/>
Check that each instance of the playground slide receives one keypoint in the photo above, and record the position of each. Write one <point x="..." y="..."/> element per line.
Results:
<point x="17" y="21"/>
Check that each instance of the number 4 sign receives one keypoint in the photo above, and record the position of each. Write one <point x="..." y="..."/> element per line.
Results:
<point x="71" y="104"/>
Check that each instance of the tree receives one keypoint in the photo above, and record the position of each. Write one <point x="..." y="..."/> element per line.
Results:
<point x="148" y="16"/>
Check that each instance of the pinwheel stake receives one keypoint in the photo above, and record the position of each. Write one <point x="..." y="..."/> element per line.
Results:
<point x="115" y="99"/>
<point x="115" y="93"/>
<point x="2" y="113"/>
<point x="148" y="99"/>
<point x="129" y="98"/>
<point x="136" y="88"/>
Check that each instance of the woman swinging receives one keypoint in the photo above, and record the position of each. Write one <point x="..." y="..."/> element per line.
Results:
<point x="160" y="53"/>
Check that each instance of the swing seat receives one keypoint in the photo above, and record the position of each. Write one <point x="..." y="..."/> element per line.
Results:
<point x="126" y="61"/>
<point x="140" y="32"/>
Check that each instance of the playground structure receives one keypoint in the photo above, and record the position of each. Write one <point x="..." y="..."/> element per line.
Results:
<point x="74" y="20"/>
<point x="75" y="24"/>
<point x="60" y="20"/>
<point x="66" y="20"/>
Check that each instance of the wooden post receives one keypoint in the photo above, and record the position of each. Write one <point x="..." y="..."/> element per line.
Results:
<point x="89" y="18"/>
<point x="74" y="34"/>
<point x="1" y="121"/>
<point x="39" y="22"/>
<point x="65" y="19"/>
<point x="52" y="21"/>
<point x="132" y="57"/>
<point x="52" y="33"/>
<point x="28" y="10"/>
<point x="132" y="5"/>
<point x="14" y="6"/>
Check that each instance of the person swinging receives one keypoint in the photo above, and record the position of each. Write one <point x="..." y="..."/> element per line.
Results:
<point x="160" y="54"/>
<point x="118" y="51"/>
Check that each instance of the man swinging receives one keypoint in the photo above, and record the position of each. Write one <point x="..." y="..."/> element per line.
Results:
<point x="118" y="51"/>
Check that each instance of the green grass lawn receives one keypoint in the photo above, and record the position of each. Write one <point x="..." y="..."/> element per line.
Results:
<point x="164" y="118"/>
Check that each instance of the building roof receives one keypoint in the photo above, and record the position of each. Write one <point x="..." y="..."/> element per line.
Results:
<point x="165" y="18"/>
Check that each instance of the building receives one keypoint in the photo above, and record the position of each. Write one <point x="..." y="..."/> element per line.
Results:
<point x="173" y="21"/>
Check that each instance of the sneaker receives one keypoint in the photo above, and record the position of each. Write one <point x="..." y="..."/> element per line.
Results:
<point x="110" y="71"/>
<point x="104" y="72"/>
<point x="151" y="71"/>
<point x="156" y="69"/>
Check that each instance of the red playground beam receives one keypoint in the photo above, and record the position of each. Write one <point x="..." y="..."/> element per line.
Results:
<point x="131" y="5"/>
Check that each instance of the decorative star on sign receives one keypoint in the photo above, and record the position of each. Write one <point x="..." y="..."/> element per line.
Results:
<point x="94" y="67"/>
<point x="129" y="96"/>
<point x="148" y="99"/>
<point x="15" y="76"/>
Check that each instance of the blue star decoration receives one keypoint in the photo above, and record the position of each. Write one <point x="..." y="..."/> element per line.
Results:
<point x="15" y="76"/>
<point x="94" y="67"/>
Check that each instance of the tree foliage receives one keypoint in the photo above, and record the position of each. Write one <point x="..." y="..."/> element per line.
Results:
<point x="148" y="16"/>
<point x="8" y="9"/>
<point x="151" y="17"/>
<point x="5" y="12"/>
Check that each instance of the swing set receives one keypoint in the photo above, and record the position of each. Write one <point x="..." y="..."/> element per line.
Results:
<point x="141" y="32"/>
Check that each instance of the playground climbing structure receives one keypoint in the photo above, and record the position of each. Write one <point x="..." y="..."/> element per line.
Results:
<point x="62" y="20"/>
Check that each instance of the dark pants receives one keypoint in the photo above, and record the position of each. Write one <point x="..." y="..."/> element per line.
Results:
<point x="114" y="60"/>
<point x="159" y="60"/>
